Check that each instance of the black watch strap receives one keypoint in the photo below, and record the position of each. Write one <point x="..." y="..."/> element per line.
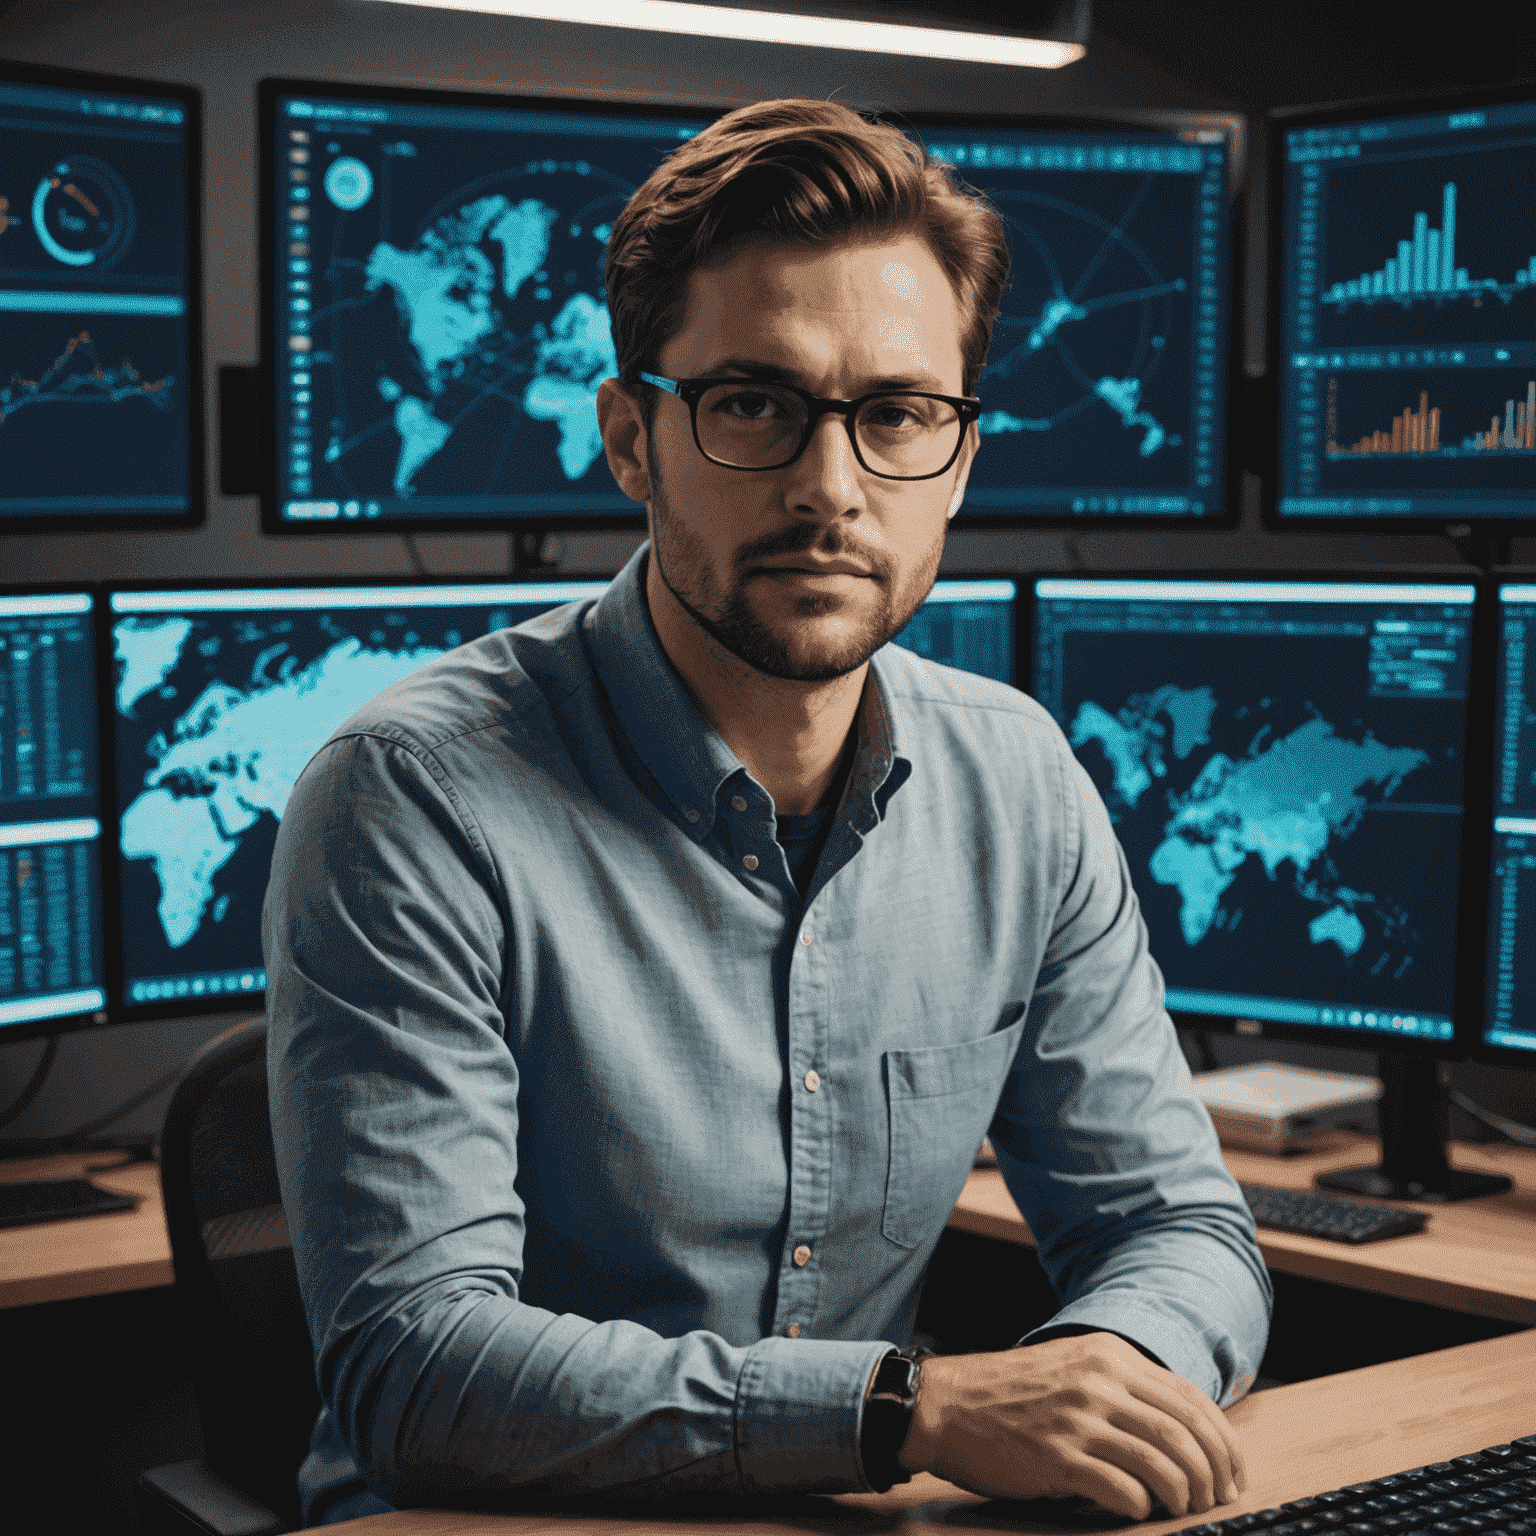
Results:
<point x="887" y="1420"/>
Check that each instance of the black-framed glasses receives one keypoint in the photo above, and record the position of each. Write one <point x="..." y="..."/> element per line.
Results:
<point x="896" y="434"/>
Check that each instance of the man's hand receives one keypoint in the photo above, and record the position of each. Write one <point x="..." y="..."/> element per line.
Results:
<point x="1086" y="1415"/>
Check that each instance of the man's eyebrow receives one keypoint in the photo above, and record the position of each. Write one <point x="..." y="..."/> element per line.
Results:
<point x="773" y="373"/>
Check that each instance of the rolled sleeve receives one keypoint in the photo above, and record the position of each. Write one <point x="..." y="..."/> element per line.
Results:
<point x="1108" y="1151"/>
<point x="394" y="1095"/>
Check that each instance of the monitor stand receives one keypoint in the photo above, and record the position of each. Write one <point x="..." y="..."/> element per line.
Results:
<point x="1415" y="1124"/>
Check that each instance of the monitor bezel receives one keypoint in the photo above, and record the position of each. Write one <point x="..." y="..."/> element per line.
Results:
<point x="1468" y="993"/>
<point x="1271" y="447"/>
<point x="268" y="91"/>
<point x="119" y="1008"/>
<point x="65" y="1024"/>
<point x="1171" y="123"/>
<point x="1482" y="1049"/>
<point x="191" y="99"/>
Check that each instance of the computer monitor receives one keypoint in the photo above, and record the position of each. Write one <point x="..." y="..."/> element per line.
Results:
<point x="1508" y="1031"/>
<point x="434" y="321"/>
<point x="1285" y="764"/>
<point x="101" y="417"/>
<point x="969" y="623"/>
<point x="1105" y="398"/>
<point x="221" y="696"/>
<point x="52" y="953"/>
<point x="1403" y="297"/>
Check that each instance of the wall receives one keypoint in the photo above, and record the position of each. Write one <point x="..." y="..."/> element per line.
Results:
<point x="1194" y="54"/>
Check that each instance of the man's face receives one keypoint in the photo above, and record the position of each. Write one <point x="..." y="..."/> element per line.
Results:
<point x="805" y="571"/>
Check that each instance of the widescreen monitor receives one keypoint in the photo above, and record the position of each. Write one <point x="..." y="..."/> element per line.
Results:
<point x="1105" y="396"/>
<point x="1403" y="294"/>
<point x="434" y="325"/>
<point x="1284" y="764"/>
<point x="100" y="325"/>
<point x="52" y="950"/>
<point x="1509" y="1007"/>
<point x="222" y="695"/>
<point x="971" y="624"/>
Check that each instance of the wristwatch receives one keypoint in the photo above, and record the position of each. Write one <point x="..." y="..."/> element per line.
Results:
<point x="887" y="1420"/>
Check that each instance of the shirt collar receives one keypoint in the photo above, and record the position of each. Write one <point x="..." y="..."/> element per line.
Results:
<point x="685" y="755"/>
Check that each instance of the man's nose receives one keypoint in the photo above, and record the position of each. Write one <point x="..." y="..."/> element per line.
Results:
<point x="826" y="480"/>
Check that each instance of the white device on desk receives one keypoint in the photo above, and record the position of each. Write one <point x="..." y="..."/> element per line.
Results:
<point x="1268" y="1106"/>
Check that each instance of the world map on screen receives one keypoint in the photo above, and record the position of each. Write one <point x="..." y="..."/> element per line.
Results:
<point x="215" y="766"/>
<point x="446" y="287"/>
<point x="1289" y="803"/>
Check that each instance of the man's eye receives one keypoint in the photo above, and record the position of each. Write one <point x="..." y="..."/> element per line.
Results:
<point x="749" y="406"/>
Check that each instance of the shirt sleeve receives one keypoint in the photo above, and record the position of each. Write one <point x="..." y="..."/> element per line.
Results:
<point x="394" y="1098"/>
<point x="1106" y="1148"/>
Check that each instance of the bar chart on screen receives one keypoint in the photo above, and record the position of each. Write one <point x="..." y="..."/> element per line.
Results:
<point x="1423" y="268"/>
<point x="1511" y="429"/>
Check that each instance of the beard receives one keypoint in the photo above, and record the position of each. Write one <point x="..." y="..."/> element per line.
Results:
<point x="723" y="610"/>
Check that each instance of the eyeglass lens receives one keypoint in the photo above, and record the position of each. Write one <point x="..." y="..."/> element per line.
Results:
<point x="759" y="426"/>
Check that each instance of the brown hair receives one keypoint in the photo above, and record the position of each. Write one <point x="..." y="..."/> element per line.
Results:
<point x="802" y="172"/>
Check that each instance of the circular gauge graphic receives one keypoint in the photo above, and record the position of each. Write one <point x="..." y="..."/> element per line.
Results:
<point x="1088" y="324"/>
<point x="83" y="213"/>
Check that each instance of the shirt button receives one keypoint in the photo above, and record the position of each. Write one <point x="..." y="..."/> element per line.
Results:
<point x="793" y="1330"/>
<point x="806" y="935"/>
<point x="749" y="861"/>
<point x="813" y="1080"/>
<point x="738" y="803"/>
<point x="691" y="814"/>
<point x="802" y="1256"/>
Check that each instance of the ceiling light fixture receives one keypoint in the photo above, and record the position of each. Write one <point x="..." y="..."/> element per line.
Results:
<point x="780" y="27"/>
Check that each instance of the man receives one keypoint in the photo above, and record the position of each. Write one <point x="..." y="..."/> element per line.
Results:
<point x="643" y="980"/>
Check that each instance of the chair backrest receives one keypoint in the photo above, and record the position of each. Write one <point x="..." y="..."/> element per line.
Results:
<point x="253" y="1370"/>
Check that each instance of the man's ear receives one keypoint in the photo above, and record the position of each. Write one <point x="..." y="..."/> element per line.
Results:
<point x="620" y="420"/>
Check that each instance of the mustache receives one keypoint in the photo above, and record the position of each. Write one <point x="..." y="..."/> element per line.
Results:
<point x="801" y="539"/>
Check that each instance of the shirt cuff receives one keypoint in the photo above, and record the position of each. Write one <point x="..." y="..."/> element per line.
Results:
<point x="799" y="1409"/>
<point x="1166" y="1339"/>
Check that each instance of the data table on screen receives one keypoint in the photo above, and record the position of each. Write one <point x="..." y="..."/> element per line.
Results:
<point x="1509" y="1015"/>
<point x="967" y="624"/>
<point x="99" y="407"/>
<point x="437" y="318"/>
<point x="1284" y="764"/>
<point x="51" y="946"/>
<point x="1407" y="315"/>
<point x="1105" y="391"/>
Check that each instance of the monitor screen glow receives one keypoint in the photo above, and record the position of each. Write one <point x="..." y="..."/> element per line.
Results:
<point x="1284" y="763"/>
<point x="52" y="961"/>
<point x="1404" y="283"/>
<point x="100" y="409"/>
<point x="436" y="323"/>
<point x="1104" y="396"/>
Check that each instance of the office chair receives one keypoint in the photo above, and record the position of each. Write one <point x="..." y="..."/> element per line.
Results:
<point x="253" y="1373"/>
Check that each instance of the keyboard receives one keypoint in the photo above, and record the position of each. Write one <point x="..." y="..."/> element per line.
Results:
<point x="36" y="1200"/>
<point x="1492" y="1490"/>
<point x="1313" y="1215"/>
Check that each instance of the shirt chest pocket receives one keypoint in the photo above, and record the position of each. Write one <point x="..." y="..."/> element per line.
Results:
<point x="941" y="1100"/>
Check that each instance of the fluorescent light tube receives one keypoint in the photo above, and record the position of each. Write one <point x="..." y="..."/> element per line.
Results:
<point x="778" y="27"/>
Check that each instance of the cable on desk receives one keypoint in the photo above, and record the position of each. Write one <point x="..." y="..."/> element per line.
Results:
<point x="18" y="1105"/>
<point x="1511" y="1130"/>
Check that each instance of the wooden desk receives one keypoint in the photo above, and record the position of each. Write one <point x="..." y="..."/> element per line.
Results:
<point x="1476" y="1256"/>
<point x="88" y="1255"/>
<point x="1298" y="1440"/>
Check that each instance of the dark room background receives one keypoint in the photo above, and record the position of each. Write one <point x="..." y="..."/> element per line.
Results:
<point x="1194" y="54"/>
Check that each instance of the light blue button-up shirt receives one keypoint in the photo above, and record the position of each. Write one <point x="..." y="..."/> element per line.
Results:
<point x="612" y="1164"/>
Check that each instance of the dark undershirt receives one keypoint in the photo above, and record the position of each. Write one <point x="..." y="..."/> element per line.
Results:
<point x="801" y="838"/>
